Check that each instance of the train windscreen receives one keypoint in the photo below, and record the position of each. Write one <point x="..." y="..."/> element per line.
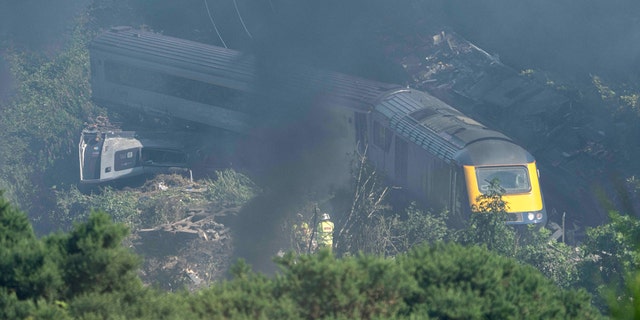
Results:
<point x="513" y="179"/>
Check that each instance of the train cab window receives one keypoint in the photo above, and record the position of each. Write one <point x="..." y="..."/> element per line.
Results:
<point x="513" y="179"/>
<point x="381" y="136"/>
<point x="125" y="159"/>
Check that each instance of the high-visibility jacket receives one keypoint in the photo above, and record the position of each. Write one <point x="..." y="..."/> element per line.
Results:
<point x="302" y="237"/>
<point x="325" y="234"/>
<point x="302" y="231"/>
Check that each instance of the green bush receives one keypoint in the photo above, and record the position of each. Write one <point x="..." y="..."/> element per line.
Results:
<point x="419" y="227"/>
<point x="609" y="253"/>
<point x="487" y="225"/>
<point x="556" y="260"/>
<point x="362" y="287"/>
<point x="149" y="205"/>
<point x="230" y="188"/>
<point x="473" y="283"/>
<point x="87" y="273"/>
<point x="73" y="205"/>
<point x="42" y="120"/>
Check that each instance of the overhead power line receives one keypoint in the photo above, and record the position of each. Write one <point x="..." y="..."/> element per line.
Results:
<point x="206" y="5"/>
<point x="235" y="4"/>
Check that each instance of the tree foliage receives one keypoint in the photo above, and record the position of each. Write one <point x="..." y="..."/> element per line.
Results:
<point x="41" y="123"/>
<point x="38" y="275"/>
<point x="362" y="287"/>
<point x="528" y="244"/>
<point x="439" y="281"/>
<point x="93" y="259"/>
<point x="416" y="227"/>
<point x="87" y="273"/>
<point x="487" y="222"/>
<point x="25" y="268"/>
<point x="73" y="205"/>
<point x="611" y="254"/>
<point x="150" y="205"/>
<point x="556" y="260"/>
<point x="473" y="283"/>
<point x="364" y="228"/>
<point x="626" y="304"/>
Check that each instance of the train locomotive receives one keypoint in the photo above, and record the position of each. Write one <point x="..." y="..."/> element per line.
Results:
<point x="423" y="145"/>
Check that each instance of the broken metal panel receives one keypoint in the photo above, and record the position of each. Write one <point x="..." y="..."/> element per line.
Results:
<point x="510" y="91"/>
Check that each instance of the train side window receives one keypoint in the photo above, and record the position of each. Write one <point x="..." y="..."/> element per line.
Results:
<point x="126" y="159"/>
<point x="381" y="136"/>
<point x="172" y="85"/>
<point x="159" y="157"/>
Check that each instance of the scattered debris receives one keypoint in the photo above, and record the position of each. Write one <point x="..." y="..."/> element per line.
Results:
<point x="186" y="245"/>
<point x="196" y="246"/>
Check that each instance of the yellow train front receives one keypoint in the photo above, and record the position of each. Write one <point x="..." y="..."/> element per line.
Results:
<point x="446" y="159"/>
<point x="516" y="172"/>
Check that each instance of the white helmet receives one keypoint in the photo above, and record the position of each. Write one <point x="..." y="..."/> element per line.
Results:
<point x="325" y="216"/>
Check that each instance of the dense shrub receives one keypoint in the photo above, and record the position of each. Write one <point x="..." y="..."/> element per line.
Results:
<point x="87" y="273"/>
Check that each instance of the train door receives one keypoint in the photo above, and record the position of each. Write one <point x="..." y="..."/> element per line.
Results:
<point x="378" y="151"/>
<point x="92" y="153"/>
<point x="437" y="184"/>
<point x="401" y="161"/>
<point x="361" y="131"/>
<point x="453" y="186"/>
<point x="459" y="204"/>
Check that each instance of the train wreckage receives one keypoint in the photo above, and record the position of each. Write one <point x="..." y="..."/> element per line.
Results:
<point x="423" y="145"/>
<point x="107" y="155"/>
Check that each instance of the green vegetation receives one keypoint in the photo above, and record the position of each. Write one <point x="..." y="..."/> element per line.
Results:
<point x="486" y="225"/>
<point x="388" y="264"/>
<point x="41" y="276"/>
<point x="151" y="205"/>
<point x="86" y="273"/>
<point x="42" y="121"/>
<point x="610" y="256"/>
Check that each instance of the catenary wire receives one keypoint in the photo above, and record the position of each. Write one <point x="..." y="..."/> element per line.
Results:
<point x="235" y="4"/>
<point x="214" y="24"/>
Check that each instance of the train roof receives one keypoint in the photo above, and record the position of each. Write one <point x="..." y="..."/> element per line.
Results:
<point x="155" y="51"/>
<point x="233" y="69"/>
<point x="350" y="91"/>
<point x="446" y="132"/>
<point x="415" y="115"/>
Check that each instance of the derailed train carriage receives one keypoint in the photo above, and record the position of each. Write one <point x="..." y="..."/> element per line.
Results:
<point x="108" y="155"/>
<point x="425" y="146"/>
